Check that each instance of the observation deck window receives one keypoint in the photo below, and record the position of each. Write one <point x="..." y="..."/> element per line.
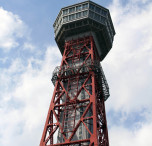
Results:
<point x="97" y="9"/>
<point x="102" y="19"/>
<point x="78" y="15"/>
<point x="104" y="13"/>
<point x="91" y="14"/>
<point x="65" y="19"/>
<point x="65" y="12"/>
<point x="97" y="17"/>
<point x="92" y="7"/>
<point x="85" y="13"/>
<point x="84" y="6"/>
<point x="71" y="10"/>
<point x="78" y="8"/>
<point x="71" y="17"/>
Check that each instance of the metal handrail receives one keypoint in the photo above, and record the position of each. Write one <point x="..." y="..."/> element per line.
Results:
<point x="95" y="66"/>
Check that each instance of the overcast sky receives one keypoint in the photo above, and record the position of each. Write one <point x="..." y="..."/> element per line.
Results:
<point x="29" y="54"/>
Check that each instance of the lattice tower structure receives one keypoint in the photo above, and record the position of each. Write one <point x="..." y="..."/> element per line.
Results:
<point x="76" y="115"/>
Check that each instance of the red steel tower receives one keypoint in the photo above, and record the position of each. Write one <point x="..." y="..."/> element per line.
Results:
<point x="84" y="33"/>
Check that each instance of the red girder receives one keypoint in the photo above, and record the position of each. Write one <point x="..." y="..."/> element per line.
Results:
<point x="77" y="112"/>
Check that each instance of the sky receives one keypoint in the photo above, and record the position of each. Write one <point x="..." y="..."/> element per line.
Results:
<point x="29" y="54"/>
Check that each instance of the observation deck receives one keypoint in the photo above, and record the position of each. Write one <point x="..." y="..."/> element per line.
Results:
<point x="85" y="19"/>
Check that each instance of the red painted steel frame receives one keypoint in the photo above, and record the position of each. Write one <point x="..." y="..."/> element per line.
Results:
<point x="66" y="99"/>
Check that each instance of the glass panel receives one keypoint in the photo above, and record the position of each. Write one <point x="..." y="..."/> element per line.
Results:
<point x="102" y="19"/>
<point x="89" y="124"/>
<point x="84" y="6"/>
<point x="78" y="15"/>
<point x="65" y="12"/>
<point x="97" y="9"/>
<point x="65" y="19"/>
<point x="91" y="14"/>
<point x="97" y="17"/>
<point x="77" y="135"/>
<point x="71" y="10"/>
<point x="71" y="17"/>
<point x="83" y="95"/>
<point x="92" y="7"/>
<point x="90" y="112"/>
<point x="85" y="13"/>
<point x="89" y="88"/>
<point x="104" y="13"/>
<point x="78" y="8"/>
<point x="60" y="138"/>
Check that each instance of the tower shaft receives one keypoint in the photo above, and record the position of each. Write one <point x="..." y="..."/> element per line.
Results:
<point x="77" y="115"/>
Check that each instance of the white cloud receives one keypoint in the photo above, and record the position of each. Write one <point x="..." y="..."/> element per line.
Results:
<point x="120" y="136"/>
<point x="28" y="46"/>
<point x="128" y="65"/>
<point x="25" y="86"/>
<point x="128" y="69"/>
<point x="25" y="109"/>
<point x="11" y="28"/>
